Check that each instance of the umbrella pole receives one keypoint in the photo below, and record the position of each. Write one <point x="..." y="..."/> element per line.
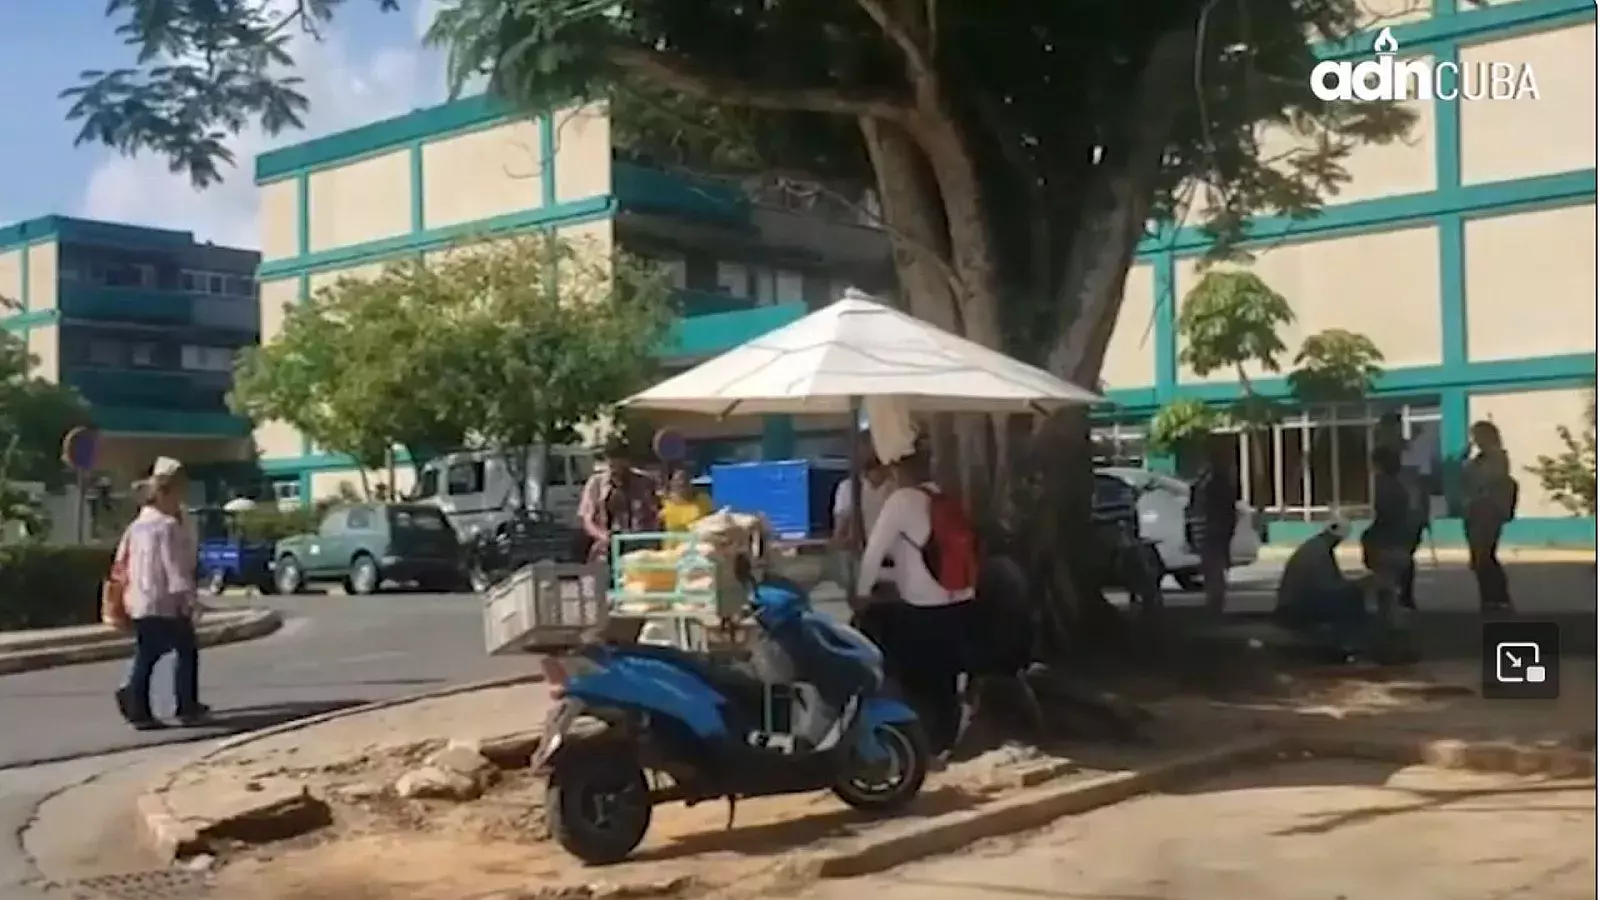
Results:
<point x="858" y="518"/>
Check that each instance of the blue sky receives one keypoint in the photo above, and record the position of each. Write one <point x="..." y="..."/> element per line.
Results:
<point x="368" y="66"/>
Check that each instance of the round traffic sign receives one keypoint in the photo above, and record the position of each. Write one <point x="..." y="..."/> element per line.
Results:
<point x="670" y="446"/>
<point x="80" y="447"/>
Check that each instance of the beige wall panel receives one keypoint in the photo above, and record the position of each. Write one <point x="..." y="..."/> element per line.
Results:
<point x="480" y="175"/>
<point x="1530" y="284"/>
<point x="276" y="298"/>
<point x="11" y="280"/>
<point x="277" y="440"/>
<point x="583" y="152"/>
<point x="1131" y="356"/>
<point x="593" y="243"/>
<point x="1384" y="285"/>
<point x="44" y="342"/>
<point x="1402" y="166"/>
<point x="363" y="201"/>
<point x="280" y="220"/>
<point x="1527" y="421"/>
<point x="1522" y="138"/>
<point x="43" y="276"/>
<point x="330" y="277"/>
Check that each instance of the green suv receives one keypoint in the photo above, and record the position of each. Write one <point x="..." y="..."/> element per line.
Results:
<point x="365" y="545"/>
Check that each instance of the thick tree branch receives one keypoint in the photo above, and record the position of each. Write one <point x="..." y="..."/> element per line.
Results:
<point x="919" y="59"/>
<point x="676" y="74"/>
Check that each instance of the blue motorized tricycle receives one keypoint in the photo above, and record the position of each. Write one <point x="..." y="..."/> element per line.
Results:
<point x="226" y="558"/>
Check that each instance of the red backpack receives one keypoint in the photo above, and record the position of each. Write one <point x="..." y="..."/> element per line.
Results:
<point x="951" y="553"/>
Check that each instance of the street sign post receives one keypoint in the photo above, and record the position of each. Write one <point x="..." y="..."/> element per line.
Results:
<point x="80" y="449"/>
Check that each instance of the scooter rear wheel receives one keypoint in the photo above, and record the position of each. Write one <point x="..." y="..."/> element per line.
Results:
<point x="889" y="786"/>
<point x="597" y="803"/>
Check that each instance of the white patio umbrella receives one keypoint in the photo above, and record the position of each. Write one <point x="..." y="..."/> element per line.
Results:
<point x="853" y="350"/>
<point x="856" y="348"/>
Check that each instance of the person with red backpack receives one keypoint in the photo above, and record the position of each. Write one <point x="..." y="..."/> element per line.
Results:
<point x="924" y="613"/>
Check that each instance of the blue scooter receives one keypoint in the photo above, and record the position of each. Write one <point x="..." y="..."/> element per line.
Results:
<point x="808" y="712"/>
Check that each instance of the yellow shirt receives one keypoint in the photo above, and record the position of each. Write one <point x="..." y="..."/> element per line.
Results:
<point x="678" y="515"/>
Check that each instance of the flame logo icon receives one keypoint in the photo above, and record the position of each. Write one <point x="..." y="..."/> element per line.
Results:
<point x="1385" y="44"/>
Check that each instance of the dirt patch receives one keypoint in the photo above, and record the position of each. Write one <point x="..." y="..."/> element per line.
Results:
<point x="384" y="848"/>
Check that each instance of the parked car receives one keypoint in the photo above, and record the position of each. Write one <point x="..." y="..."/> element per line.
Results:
<point x="1163" y="502"/>
<point x="365" y="545"/>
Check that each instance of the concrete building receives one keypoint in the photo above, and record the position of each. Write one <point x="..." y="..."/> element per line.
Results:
<point x="345" y="204"/>
<point x="1466" y="252"/>
<point x="145" y="324"/>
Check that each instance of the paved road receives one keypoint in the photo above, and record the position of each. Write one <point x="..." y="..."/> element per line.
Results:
<point x="333" y="651"/>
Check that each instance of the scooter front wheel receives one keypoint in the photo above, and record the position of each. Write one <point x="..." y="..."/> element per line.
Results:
<point x="597" y="803"/>
<point x="889" y="785"/>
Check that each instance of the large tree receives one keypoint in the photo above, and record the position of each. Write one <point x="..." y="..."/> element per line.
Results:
<point x="1017" y="151"/>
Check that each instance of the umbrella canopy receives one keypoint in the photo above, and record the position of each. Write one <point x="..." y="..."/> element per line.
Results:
<point x="857" y="348"/>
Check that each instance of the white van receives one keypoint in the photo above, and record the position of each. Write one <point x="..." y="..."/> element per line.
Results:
<point x="476" y="490"/>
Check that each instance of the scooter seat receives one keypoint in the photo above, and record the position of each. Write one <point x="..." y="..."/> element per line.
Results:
<point x="732" y="681"/>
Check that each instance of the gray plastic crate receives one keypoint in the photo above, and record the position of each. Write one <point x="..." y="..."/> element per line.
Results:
<point x="545" y="607"/>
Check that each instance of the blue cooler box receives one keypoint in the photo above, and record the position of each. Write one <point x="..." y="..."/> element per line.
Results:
<point x="796" y="495"/>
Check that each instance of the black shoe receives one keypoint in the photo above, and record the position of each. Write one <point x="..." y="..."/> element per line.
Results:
<point x="151" y="724"/>
<point x="199" y="714"/>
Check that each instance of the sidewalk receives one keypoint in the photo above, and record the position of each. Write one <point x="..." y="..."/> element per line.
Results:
<point x="1350" y="552"/>
<point x="43" y="648"/>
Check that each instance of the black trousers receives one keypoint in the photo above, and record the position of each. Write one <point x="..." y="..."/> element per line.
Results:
<point x="153" y="638"/>
<point x="925" y="650"/>
<point x="1483" y="556"/>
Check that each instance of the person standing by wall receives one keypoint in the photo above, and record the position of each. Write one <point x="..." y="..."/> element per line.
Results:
<point x="1490" y="501"/>
<point x="876" y="487"/>
<point x="158" y="555"/>
<point x="1389" y="543"/>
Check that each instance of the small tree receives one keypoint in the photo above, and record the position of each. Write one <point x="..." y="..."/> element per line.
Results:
<point x="1229" y="321"/>
<point x="1182" y="425"/>
<point x="1569" y="476"/>
<point x="552" y="335"/>
<point x="1335" y="366"/>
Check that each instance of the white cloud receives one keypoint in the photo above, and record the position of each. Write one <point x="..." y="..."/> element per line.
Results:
<point x="347" y="85"/>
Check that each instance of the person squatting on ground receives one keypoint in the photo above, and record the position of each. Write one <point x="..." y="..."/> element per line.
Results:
<point x="1490" y="495"/>
<point x="156" y="557"/>
<point x="923" y="617"/>
<point x="1316" y="599"/>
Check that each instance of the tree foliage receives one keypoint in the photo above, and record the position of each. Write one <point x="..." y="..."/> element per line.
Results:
<point x="1230" y="322"/>
<point x="1181" y="424"/>
<point x="1335" y="366"/>
<point x="1569" y="476"/>
<point x="35" y="415"/>
<point x="506" y="342"/>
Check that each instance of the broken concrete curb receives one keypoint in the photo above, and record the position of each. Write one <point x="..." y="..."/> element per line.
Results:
<point x="1039" y="806"/>
<point x="173" y="836"/>
<point x="99" y="648"/>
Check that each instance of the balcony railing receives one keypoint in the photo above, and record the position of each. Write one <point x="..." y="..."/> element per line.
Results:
<point x="643" y="189"/>
<point x="707" y="335"/>
<point x="154" y="388"/>
<point x="158" y="306"/>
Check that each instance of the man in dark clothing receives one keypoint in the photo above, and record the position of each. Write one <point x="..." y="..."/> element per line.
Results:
<point x="1389" y="544"/>
<point x="1214" y="512"/>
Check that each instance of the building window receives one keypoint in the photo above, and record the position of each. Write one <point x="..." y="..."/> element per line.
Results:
<point x="105" y="353"/>
<point x="1119" y="445"/>
<point x="207" y="359"/>
<point x="188" y="281"/>
<point x="788" y="287"/>
<point x="218" y="283"/>
<point x="286" y="491"/>
<point x="676" y="269"/>
<point x="733" y="278"/>
<point x="1319" y="462"/>
<point x="143" y="355"/>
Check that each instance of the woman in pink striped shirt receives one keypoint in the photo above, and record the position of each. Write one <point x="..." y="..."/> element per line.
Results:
<point x="160" y="598"/>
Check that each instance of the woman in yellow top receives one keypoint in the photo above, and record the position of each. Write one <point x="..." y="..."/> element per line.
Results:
<point x="682" y="505"/>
